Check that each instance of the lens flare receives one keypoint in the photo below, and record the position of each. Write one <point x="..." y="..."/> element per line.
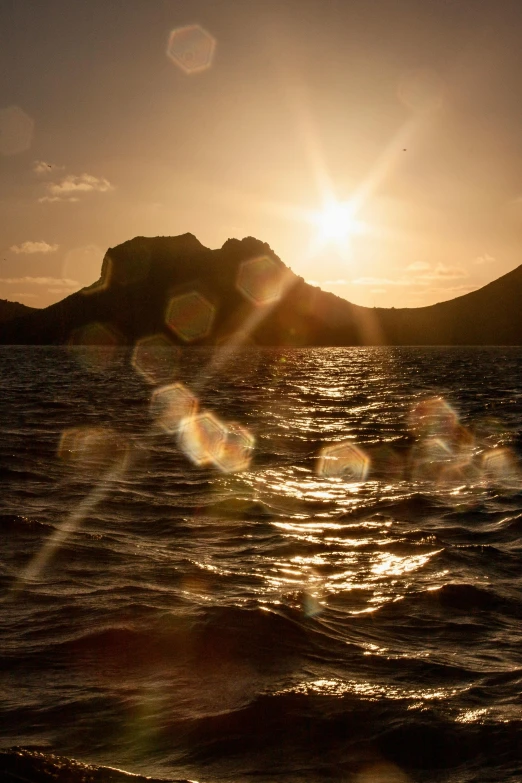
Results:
<point x="433" y="417"/>
<point x="261" y="280"/>
<point x="99" y="343"/>
<point x="191" y="48"/>
<point x="235" y="451"/>
<point x="155" y="358"/>
<point x="16" y="130"/>
<point x="502" y="469"/>
<point x="92" y="449"/>
<point x="201" y="438"/>
<point x="429" y="457"/>
<point x="190" y="316"/>
<point x="104" y="281"/>
<point x="170" y="405"/>
<point x="343" y="460"/>
<point x="421" y="90"/>
<point x="381" y="773"/>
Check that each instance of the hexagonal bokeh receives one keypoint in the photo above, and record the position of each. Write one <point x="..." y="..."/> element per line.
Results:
<point x="502" y="468"/>
<point x="261" y="280"/>
<point x="201" y="438"/>
<point x="490" y="432"/>
<point x="92" y="449"/>
<point x="433" y="417"/>
<point x="104" y="280"/>
<point x="190" y="316"/>
<point x="235" y="452"/>
<point x="155" y="358"/>
<point x="429" y="457"/>
<point x="16" y="130"/>
<point x="191" y="48"/>
<point x="388" y="463"/>
<point x="343" y="460"/>
<point x="99" y="343"/>
<point x="170" y="405"/>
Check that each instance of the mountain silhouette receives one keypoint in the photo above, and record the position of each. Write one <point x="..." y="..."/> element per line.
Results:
<point x="10" y="310"/>
<point x="189" y="294"/>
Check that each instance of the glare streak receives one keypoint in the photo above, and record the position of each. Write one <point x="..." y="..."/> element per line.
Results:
<point x="70" y="525"/>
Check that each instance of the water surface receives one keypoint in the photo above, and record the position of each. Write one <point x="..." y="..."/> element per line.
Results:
<point x="348" y="619"/>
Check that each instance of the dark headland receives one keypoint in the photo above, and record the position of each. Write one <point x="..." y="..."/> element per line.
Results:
<point x="143" y="276"/>
<point x="9" y="310"/>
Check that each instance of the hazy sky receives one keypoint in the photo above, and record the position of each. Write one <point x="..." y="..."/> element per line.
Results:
<point x="408" y="110"/>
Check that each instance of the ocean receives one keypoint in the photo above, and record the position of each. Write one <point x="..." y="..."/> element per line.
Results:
<point x="261" y="565"/>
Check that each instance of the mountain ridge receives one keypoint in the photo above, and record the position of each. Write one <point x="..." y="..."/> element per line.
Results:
<point x="148" y="283"/>
<point x="10" y="309"/>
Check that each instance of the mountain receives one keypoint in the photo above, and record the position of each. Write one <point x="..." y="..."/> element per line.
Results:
<point x="176" y="287"/>
<point x="10" y="310"/>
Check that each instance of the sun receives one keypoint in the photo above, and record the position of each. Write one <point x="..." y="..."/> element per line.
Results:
<point x="337" y="222"/>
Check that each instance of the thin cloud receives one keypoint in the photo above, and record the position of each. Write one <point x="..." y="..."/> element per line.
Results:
<point x="59" y="290"/>
<point x="418" y="266"/>
<point x="71" y="187"/>
<point x="380" y="281"/>
<point x="339" y="281"/>
<point x="24" y="295"/>
<point x="58" y="281"/>
<point x="430" y="274"/>
<point x="34" y="247"/>
<point x="485" y="259"/>
<point x="451" y="292"/>
<point x="443" y="272"/>
<point x="456" y="290"/>
<point x="52" y="199"/>
<point x="43" y="167"/>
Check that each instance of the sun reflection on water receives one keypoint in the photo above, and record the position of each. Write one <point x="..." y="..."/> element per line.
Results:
<point x="369" y="690"/>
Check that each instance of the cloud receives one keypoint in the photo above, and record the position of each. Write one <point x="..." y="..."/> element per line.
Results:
<point x="340" y="281"/>
<point x="71" y="187"/>
<point x="24" y="295"/>
<point x="34" y="247"/>
<point x="485" y="259"/>
<point x="418" y="266"/>
<point x="42" y="167"/>
<point x="52" y="199"/>
<point x="455" y="290"/>
<point x="443" y="272"/>
<point x="418" y="296"/>
<point x="380" y="281"/>
<point x="430" y="274"/>
<point x="59" y="281"/>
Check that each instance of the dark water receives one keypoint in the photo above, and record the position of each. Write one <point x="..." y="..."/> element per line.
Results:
<point x="351" y="619"/>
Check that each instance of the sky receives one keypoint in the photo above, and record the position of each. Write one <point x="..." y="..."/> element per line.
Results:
<point x="374" y="144"/>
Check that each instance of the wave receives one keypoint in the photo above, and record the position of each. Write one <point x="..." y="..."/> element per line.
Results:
<point x="35" y="766"/>
<point x="15" y="523"/>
